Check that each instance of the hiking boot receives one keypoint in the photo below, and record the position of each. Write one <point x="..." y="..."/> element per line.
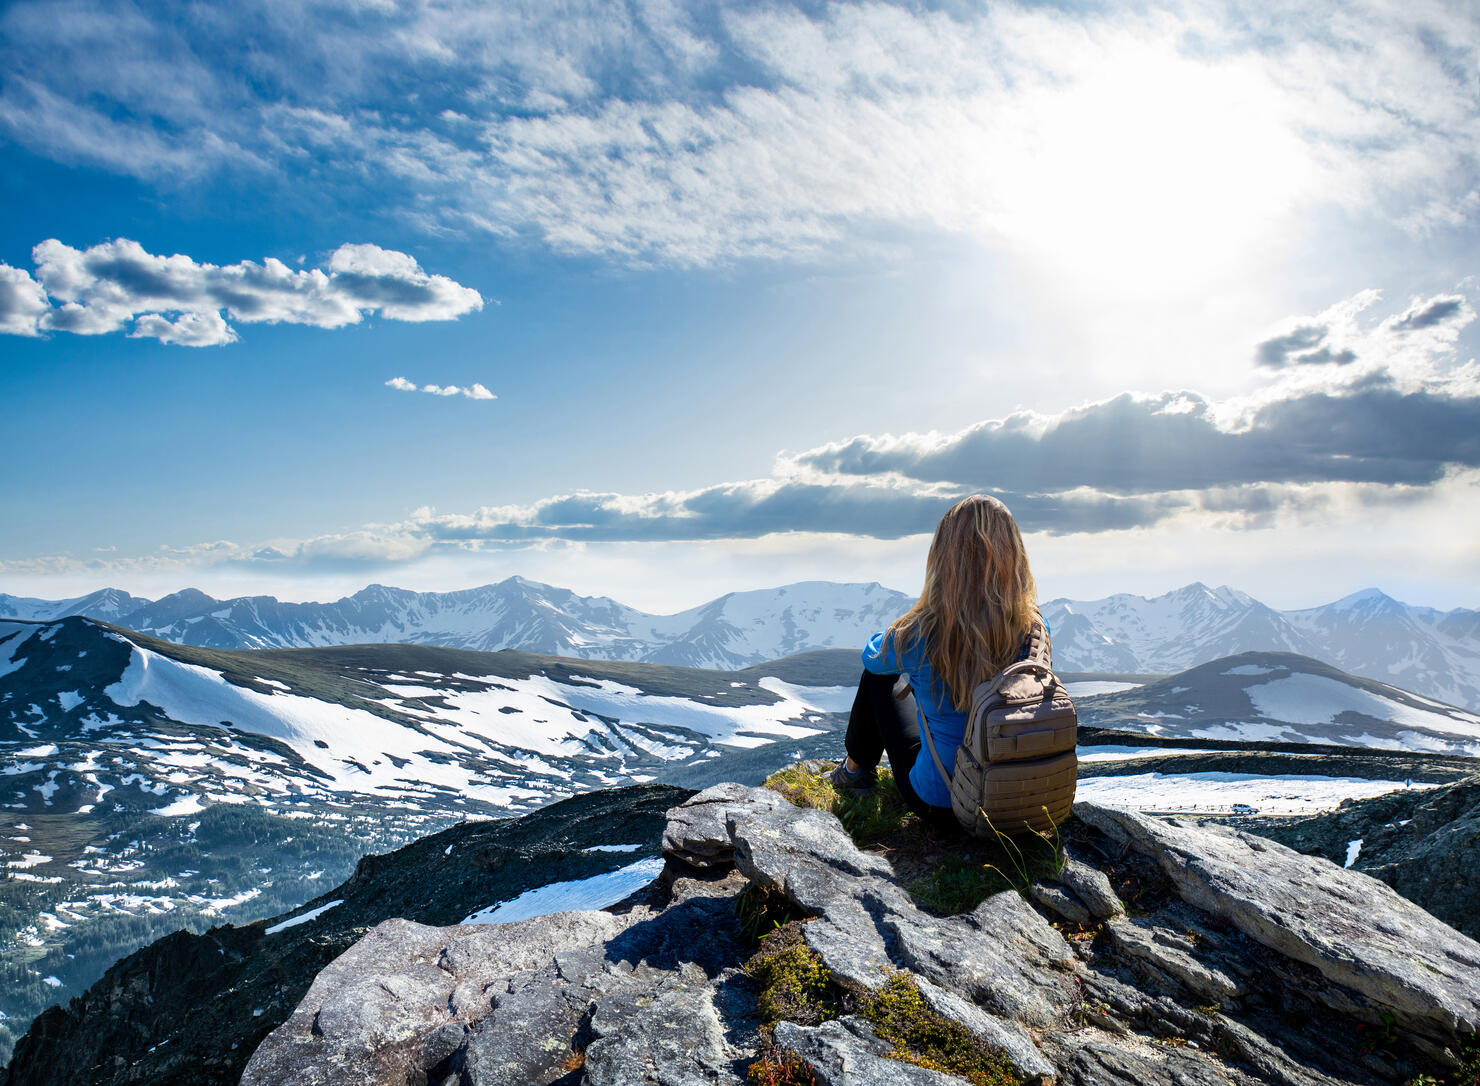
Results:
<point x="853" y="782"/>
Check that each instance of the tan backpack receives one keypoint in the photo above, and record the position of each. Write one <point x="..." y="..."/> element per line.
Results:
<point x="1016" y="766"/>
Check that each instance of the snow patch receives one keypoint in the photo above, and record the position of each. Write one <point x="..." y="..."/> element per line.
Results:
<point x="597" y="892"/>
<point x="1216" y="793"/>
<point x="186" y="805"/>
<point x="1088" y="688"/>
<point x="303" y="918"/>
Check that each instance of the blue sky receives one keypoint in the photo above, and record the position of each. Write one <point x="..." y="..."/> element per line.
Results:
<point x="727" y="295"/>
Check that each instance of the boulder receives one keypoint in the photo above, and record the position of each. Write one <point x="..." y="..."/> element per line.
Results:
<point x="374" y="1015"/>
<point x="1352" y="929"/>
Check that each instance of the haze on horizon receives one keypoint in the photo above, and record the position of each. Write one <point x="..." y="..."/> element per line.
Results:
<point x="670" y="299"/>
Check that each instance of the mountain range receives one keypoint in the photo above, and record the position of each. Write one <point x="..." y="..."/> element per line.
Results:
<point x="1430" y="652"/>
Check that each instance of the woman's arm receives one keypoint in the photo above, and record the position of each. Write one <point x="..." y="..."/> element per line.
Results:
<point x="881" y="655"/>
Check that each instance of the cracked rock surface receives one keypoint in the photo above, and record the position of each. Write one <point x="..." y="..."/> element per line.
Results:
<point x="1164" y="952"/>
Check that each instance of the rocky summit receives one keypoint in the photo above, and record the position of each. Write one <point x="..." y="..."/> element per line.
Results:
<point x="1161" y="951"/>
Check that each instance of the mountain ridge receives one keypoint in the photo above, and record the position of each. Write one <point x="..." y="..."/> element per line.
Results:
<point x="1368" y="633"/>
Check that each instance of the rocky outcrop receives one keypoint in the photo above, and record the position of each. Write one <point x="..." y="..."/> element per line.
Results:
<point x="1164" y="952"/>
<point x="1425" y="846"/>
<point x="1354" y="931"/>
<point x="188" y="1010"/>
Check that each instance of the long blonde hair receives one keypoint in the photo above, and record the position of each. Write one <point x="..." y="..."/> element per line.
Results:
<point x="979" y="601"/>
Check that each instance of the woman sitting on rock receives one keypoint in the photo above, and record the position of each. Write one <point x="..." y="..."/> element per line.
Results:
<point x="973" y="618"/>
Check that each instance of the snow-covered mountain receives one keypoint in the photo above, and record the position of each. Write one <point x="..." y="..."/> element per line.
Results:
<point x="1432" y="652"/>
<point x="733" y="631"/>
<point x="147" y="786"/>
<point x="1282" y="697"/>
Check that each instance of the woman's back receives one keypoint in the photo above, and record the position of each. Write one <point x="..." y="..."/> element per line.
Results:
<point x="935" y="703"/>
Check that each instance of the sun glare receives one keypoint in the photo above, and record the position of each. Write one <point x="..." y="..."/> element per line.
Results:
<point x="1151" y="171"/>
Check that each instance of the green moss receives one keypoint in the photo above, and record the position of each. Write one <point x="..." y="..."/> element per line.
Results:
<point x="925" y="1038"/>
<point x="794" y="984"/>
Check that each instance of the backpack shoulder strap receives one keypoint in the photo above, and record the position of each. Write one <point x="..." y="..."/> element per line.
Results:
<point x="929" y="742"/>
<point x="1037" y="658"/>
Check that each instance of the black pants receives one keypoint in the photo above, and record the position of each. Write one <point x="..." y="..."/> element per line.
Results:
<point x="878" y="724"/>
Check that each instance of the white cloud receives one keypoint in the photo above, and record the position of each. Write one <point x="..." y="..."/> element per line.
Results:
<point x="1126" y="141"/>
<point x="22" y="302"/>
<point x="475" y="391"/>
<point x="118" y="285"/>
<point x="1396" y="426"/>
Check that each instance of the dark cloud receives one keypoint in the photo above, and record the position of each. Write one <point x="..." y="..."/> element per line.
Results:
<point x="374" y="291"/>
<point x="1305" y="346"/>
<point x="1138" y="445"/>
<point x="1427" y="314"/>
<point x="1277" y="351"/>
<point x="1325" y="356"/>
<point x="754" y="509"/>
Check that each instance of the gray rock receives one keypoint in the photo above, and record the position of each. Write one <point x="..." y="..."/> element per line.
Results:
<point x="1002" y="956"/>
<point x="845" y="1052"/>
<point x="672" y="1037"/>
<point x="1100" y="1063"/>
<point x="657" y="994"/>
<point x="1354" y="930"/>
<point x="697" y="833"/>
<point x="1092" y="888"/>
<point x="1173" y="953"/>
<point x="368" y="1013"/>
<point x="528" y="1037"/>
<point x="1064" y="904"/>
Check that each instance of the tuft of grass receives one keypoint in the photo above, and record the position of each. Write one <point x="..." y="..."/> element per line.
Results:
<point x="957" y="884"/>
<point x="780" y="1067"/>
<point x="803" y="787"/>
<point x="762" y="910"/>
<point x="877" y="815"/>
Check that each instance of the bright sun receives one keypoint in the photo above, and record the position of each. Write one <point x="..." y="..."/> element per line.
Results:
<point x="1148" y="171"/>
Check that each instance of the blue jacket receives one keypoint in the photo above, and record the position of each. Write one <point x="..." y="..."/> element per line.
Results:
<point x="947" y="724"/>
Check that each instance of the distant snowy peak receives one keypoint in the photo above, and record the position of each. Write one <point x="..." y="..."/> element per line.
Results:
<point x="1369" y="633"/>
<point x="733" y="631"/>
<point x="1436" y="653"/>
